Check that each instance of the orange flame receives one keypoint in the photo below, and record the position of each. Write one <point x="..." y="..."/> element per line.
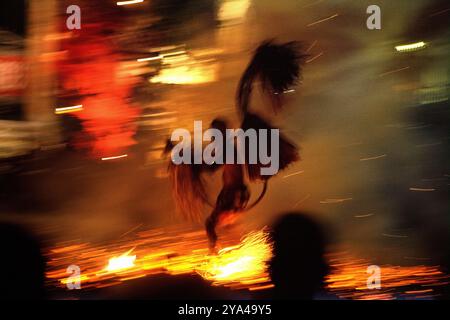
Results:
<point x="121" y="262"/>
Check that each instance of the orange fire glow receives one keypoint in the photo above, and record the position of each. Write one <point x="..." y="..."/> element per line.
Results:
<point x="244" y="263"/>
<point x="121" y="262"/>
<point x="236" y="265"/>
<point x="241" y="264"/>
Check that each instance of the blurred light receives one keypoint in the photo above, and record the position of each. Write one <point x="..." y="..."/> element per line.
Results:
<point x="173" y="53"/>
<point x="233" y="9"/>
<point x="124" y="3"/>
<point x="410" y="47"/>
<point x="422" y="189"/>
<point x="435" y="94"/>
<point x="68" y="109"/>
<point x="161" y="56"/>
<point x="186" y="75"/>
<point x="326" y="201"/>
<point x="150" y="58"/>
<point x="364" y="215"/>
<point x="121" y="262"/>
<point x="116" y="157"/>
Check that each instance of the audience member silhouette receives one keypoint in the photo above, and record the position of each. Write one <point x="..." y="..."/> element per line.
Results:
<point x="22" y="267"/>
<point x="298" y="266"/>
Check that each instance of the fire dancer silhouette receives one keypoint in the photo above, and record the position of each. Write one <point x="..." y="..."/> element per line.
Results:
<point x="277" y="67"/>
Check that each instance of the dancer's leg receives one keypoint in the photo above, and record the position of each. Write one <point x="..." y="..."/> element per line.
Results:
<point x="210" y="226"/>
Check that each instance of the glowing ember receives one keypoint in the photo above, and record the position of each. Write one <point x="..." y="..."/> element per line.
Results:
<point x="122" y="262"/>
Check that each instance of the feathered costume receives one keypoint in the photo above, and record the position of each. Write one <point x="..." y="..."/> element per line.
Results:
<point x="277" y="67"/>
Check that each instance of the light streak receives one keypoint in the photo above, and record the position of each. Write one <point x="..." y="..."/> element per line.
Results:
<point x="393" y="71"/>
<point x="293" y="174"/>
<point x="422" y="189"/>
<point x="428" y="144"/>
<point x="115" y="157"/>
<point x="125" y="3"/>
<point x="68" y="109"/>
<point x="322" y="20"/>
<point x="314" y="58"/>
<point x="195" y="74"/>
<point x="373" y="158"/>
<point x="311" y="46"/>
<point x="410" y="47"/>
<point x="162" y="56"/>
<point x="364" y="215"/>
<point x="393" y="235"/>
<point x="150" y="58"/>
<point x="326" y="201"/>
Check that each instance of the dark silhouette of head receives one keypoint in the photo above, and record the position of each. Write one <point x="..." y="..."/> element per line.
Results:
<point x="22" y="267"/>
<point x="298" y="266"/>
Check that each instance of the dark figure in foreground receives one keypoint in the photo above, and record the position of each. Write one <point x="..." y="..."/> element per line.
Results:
<point x="298" y="266"/>
<point x="22" y="268"/>
<point x="276" y="67"/>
